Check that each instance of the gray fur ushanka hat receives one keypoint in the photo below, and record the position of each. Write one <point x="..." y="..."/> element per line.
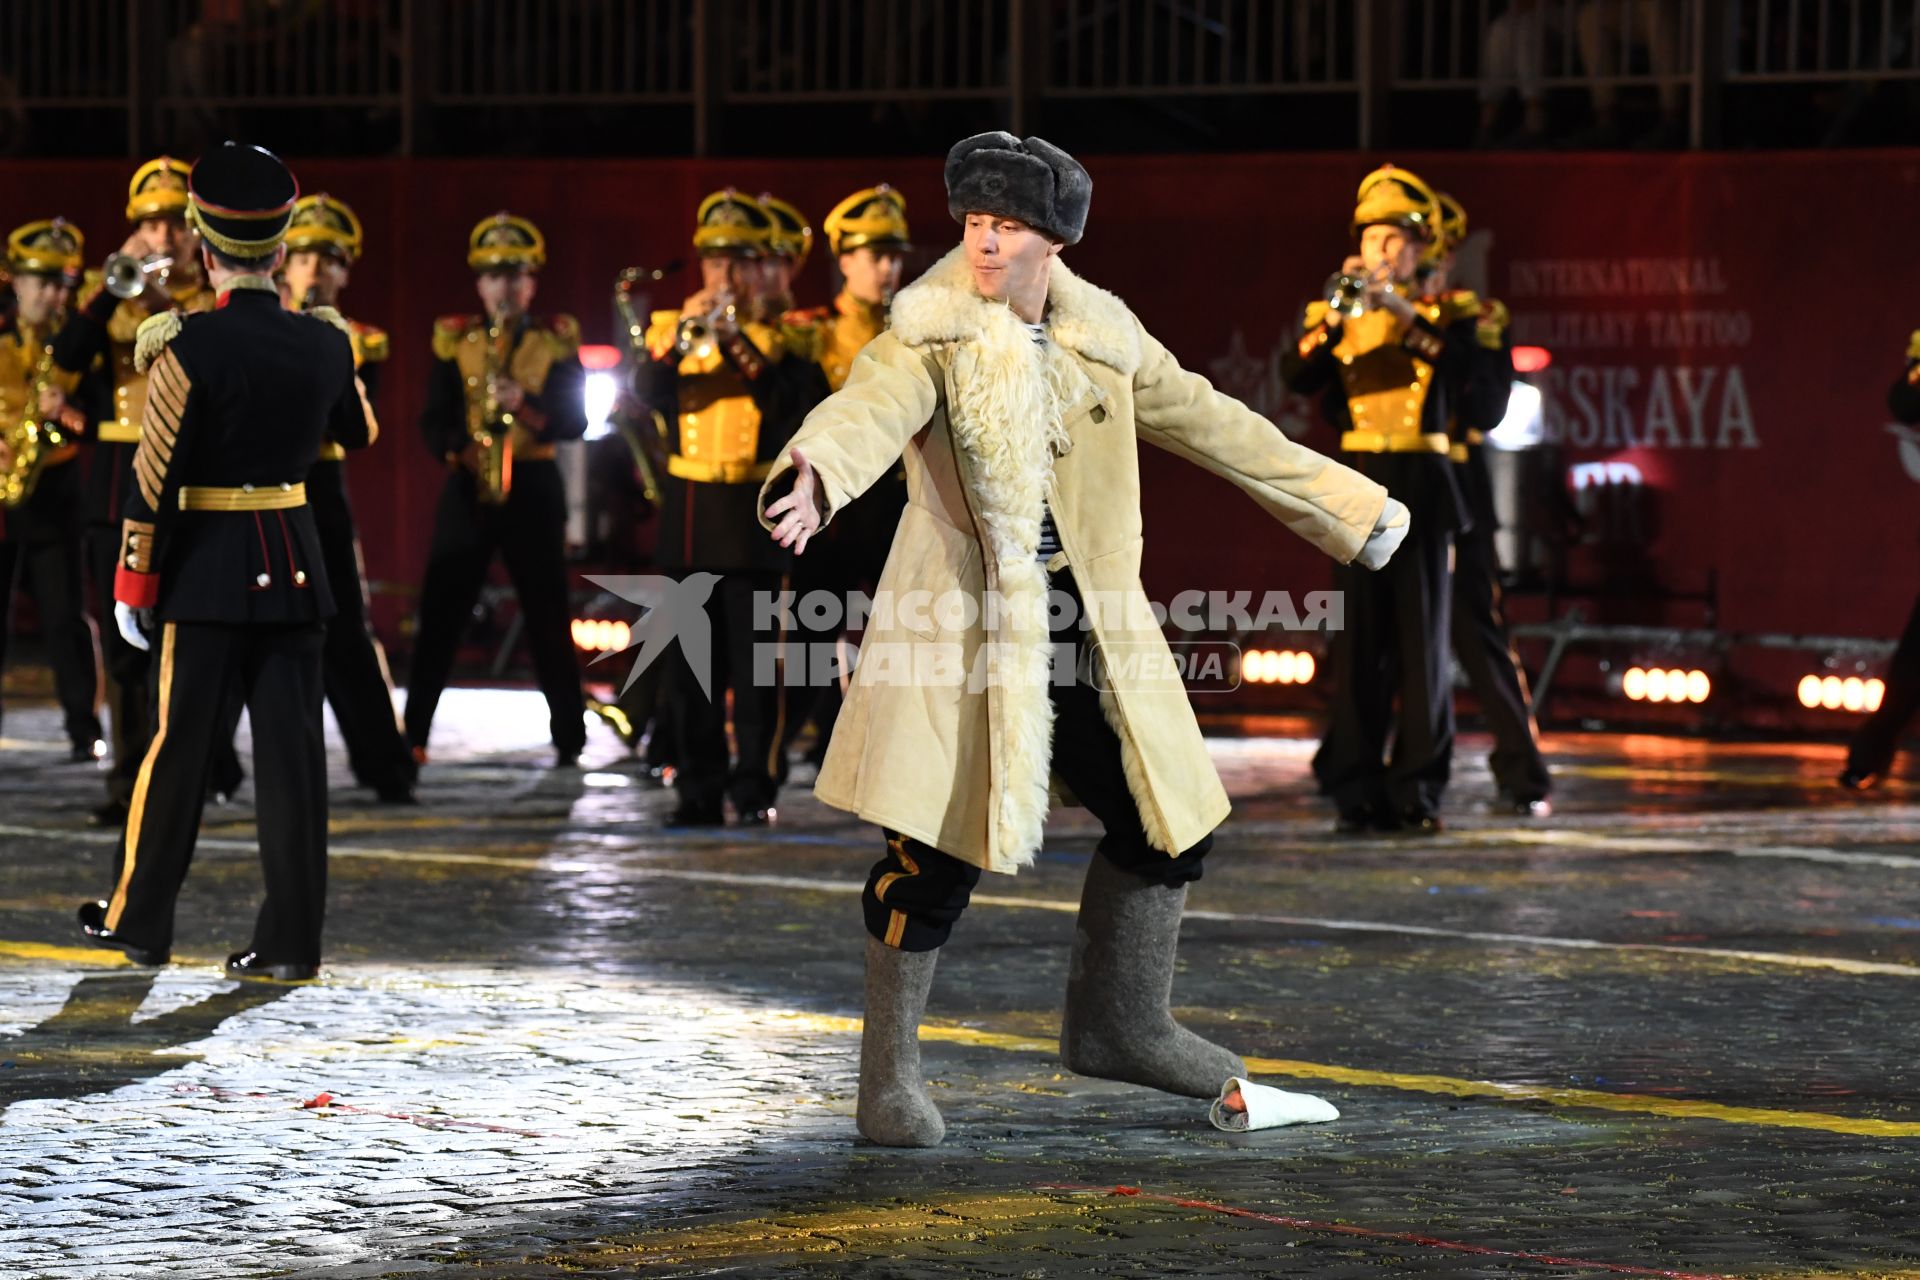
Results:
<point x="1033" y="181"/>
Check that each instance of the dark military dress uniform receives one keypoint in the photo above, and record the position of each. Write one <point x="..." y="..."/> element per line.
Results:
<point x="219" y="542"/>
<point x="1877" y="740"/>
<point x="1390" y="388"/>
<point x="848" y="554"/>
<point x="40" y="519"/>
<point x="526" y="524"/>
<point x="358" y="683"/>
<point x="1480" y="639"/>
<point x="100" y="334"/>
<point x="731" y="403"/>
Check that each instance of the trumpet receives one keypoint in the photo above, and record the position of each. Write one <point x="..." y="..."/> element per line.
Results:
<point x="1346" y="293"/>
<point x="128" y="276"/>
<point x="695" y="334"/>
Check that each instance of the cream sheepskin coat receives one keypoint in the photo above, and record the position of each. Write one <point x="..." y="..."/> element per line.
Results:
<point x="990" y="424"/>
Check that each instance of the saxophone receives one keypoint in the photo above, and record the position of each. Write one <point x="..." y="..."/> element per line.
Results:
<point x="649" y="447"/>
<point x="30" y="442"/>
<point x="489" y="428"/>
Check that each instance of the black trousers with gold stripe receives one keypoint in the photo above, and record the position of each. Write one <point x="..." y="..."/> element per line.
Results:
<point x="751" y="775"/>
<point x="916" y="893"/>
<point x="276" y="671"/>
<point x="1485" y="651"/>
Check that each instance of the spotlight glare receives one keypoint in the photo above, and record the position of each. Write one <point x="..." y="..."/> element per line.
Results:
<point x="1809" y="691"/>
<point x="1876" y="691"/>
<point x="1634" y="684"/>
<point x="1832" y="693"/>
<point x="1699" y="686"/>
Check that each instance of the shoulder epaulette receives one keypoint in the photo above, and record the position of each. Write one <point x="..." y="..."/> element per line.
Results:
<point x="803" y="334"/>
<point x="1457" y="305"/>
<point x="663" y="331"/>
<point x="566" y="334"/>
<point x="1491" y="327"/>
<point x="332" y="316"/>
<point x="154" y="333"/>
<point x="1913" y="346"/>
<point x="447" y="332"/>
<point x="370" y="340"/>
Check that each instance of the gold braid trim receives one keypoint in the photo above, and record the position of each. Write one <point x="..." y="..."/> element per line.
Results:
<point x="154" y="333"/>
<point x="333" y="317"/>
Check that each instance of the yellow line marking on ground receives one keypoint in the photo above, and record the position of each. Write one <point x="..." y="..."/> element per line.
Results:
<point x="842" y="1231"/>
<point x="1448" y="1086"/>
<point x="62" y="955"/>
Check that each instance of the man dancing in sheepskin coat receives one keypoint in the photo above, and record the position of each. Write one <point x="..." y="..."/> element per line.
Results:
<point x="1016" y="392"/>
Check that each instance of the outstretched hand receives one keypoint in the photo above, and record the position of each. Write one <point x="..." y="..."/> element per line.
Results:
<point x="799" y="512"/>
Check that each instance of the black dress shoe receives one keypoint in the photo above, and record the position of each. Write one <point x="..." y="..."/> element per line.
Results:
<point x="110" y="814"/>
<point x="1517" y="807"/>
<point x="1857" y="779"/>
<point x="1415" y="823"/>
<point x="87" y="752"/>
<point x="758" y="817"/>
<point x="396" y="793"/>
<point x="566" y="758"/>
<point x="93" y="923"/>
<point x="697" y="815"/>
<point x="248" y="964"/>
<point x="1353" y="822"/>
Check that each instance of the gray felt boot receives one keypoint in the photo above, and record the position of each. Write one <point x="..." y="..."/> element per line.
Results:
<point x="895" y="1109"/>
<point x="1118" y="1025"/>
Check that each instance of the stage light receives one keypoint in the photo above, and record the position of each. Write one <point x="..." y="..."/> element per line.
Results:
<point x="1276" y="666"/>
<point x="1809" y="691"/>
<point x="1521" y="428"/>
<point x="1665" y="684"/>
<point x="601" y="635"/>
<point x="1531" y="359"/>
<point x="1857" y="694"/>
<point x="602" y="389"/>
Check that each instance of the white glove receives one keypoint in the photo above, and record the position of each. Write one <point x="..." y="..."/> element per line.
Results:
<point x="129" y="620"/>
<point x="1388" y="533"/>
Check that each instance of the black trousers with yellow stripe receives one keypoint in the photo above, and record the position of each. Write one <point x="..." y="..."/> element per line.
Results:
<point x="751" y="774"/>
<point x="1485" y="651"/>
<point x="275" y="670"/>
<point x="916" y="893"/>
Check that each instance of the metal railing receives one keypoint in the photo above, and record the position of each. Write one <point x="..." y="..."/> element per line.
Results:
<point x="184" y="67"/>
<point x="1839" y="40"/>
<point x="544" y="52"/>
<point x="1541" y="44"/>
<point x="784" y="51"/>
<point x="1143" y="48"/>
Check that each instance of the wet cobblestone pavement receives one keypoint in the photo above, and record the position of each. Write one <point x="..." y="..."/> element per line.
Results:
<point x="1667" y="1032"/>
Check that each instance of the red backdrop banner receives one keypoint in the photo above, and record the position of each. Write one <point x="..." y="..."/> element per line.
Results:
<point x="1723" y="328"/>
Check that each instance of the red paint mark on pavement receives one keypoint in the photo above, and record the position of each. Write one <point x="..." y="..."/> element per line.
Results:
<point x="1396" y="1237"/>
<point x="326" y="1101"/>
